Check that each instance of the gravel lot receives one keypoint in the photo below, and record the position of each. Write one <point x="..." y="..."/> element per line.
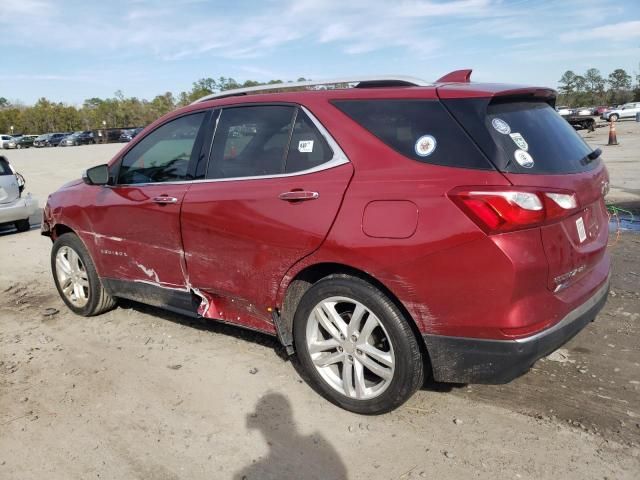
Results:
<point x="141" y="393"/>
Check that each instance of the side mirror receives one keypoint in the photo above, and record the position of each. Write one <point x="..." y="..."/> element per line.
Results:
<point x="96" y="175"/>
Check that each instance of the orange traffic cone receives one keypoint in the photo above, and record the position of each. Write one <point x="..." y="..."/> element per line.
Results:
<point x="612" y="133"/>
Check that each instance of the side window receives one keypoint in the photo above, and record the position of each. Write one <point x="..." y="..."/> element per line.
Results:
<point x="164" y="154"/>
<point x="308" y="147"/>
<point x="251" y="141"/>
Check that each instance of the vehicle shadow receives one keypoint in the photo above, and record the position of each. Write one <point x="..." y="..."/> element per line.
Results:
<point x="259" y="338"/>
<point x="205" y="324"/>
<point x="291" y="455"/>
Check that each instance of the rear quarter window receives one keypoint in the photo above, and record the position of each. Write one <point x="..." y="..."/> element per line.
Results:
<point x="421" y="130"/>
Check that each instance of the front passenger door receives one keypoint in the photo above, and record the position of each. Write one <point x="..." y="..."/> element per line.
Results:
<point x="136" y="221"/>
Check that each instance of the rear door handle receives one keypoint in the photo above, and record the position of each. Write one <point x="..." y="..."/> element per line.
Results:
<point x="164" y="199"/>
<point x="298" y="196"/>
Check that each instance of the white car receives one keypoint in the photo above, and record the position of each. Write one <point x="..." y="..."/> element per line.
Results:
<point x="15" y="208"/>
<point x="628" y="110"/>
<point x="564" y="111"/>
<point x="7" y="141"/>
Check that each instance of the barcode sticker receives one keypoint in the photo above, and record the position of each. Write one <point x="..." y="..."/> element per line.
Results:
<point x="582" y="234"/>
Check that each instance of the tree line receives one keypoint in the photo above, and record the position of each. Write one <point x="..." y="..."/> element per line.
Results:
<point x="116" y="112"/>
<point x="591" y="88"/>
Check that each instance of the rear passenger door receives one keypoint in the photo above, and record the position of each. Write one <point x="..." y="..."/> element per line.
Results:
<point x="273" y="187"/>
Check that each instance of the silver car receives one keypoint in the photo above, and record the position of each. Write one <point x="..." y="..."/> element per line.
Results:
<point x="628" y="110"/>
<point x="7" y="141"/>
<point x="15" y="208"/>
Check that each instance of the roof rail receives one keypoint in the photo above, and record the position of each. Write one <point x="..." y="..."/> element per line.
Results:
<point x="361" y="82"/>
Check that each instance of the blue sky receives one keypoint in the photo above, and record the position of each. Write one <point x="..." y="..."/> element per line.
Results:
<point x="69" y="50"/>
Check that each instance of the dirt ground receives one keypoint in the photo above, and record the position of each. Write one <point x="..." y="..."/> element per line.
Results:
<point x="141" y="393"/>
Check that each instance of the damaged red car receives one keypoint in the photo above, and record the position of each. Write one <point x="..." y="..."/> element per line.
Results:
<point x="386" y="231"/>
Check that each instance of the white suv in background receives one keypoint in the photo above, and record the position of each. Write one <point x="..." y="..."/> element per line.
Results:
<point x="628" y="110"/>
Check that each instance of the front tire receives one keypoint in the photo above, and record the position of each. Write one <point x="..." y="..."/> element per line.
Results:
<point x="76" y="278"/>
<point x="355" y="346"/>
<point x="22" y="225"/>
<point x="614" y="118"/>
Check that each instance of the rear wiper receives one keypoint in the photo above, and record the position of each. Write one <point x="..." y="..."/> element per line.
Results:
<point x="593" y="155"/>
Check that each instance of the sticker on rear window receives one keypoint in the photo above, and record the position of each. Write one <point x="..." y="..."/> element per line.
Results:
<point x="425" y="145"/>
<point x="523" y="158"/>
<point x="519" y="141"/>
<point x="582" y="234"/>
<point x="305" y="146"/>
<point x="501" y="126"/>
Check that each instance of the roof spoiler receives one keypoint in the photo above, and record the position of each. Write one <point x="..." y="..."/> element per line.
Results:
<point x="457" y="76"/>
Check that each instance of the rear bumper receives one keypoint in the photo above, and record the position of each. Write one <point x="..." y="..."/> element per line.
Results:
<point x="20" y="209"/>
<point x="475" y="360"/>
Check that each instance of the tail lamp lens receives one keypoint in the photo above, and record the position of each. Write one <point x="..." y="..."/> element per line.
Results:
<point x="504" y="210"/>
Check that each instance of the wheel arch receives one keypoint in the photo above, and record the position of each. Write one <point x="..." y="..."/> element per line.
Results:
<point x="305" y="278"/>
<point x="60" y="229"/>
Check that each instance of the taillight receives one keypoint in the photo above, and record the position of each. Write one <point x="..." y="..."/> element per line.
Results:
<point x="500" y="209"/>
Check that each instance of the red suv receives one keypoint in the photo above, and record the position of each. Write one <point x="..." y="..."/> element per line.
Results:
<point x="386" y="230"/>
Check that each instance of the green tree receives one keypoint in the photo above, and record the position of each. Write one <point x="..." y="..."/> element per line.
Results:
<point x="620" y="82"/>
<point x="567" y="88"/>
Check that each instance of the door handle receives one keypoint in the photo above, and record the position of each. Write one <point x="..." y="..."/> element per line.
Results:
<point x="298" y="196"/>
<point x="164" y="199"/>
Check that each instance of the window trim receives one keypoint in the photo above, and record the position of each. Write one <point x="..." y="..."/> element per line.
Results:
<point x="339" y="157"/>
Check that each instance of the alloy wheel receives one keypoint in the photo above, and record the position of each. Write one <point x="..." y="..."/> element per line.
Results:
<point x="350" y="348"/>
<point x="72" y="276"/>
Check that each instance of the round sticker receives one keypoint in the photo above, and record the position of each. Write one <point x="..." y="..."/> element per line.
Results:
<point x="501" y="126"/>
<point x="523" y="158"/>
<point x="425" y="145"/>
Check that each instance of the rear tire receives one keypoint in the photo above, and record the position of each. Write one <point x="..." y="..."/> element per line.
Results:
<point x="22" y="225"/>
<point x="76" y="278"/>
<point x="355" y="346"/>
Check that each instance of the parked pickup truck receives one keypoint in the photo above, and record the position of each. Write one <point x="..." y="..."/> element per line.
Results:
<point x="581" y="121"/>
<point x="14" y="207"/>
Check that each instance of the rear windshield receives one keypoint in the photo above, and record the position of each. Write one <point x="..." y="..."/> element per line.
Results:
<point x="524" y="136"/>
<point x="422" y="130"/>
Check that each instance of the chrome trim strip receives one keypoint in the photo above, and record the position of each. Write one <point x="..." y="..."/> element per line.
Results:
<point x="339" y="158"/>
<point x="410" y="81"/>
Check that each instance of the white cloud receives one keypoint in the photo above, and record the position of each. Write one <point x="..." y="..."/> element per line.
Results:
<point x="623" y="31"/>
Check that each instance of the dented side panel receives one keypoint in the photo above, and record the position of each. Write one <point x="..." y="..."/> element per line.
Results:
<point x="240" y="238"/>
<point x="136" y="239"/>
